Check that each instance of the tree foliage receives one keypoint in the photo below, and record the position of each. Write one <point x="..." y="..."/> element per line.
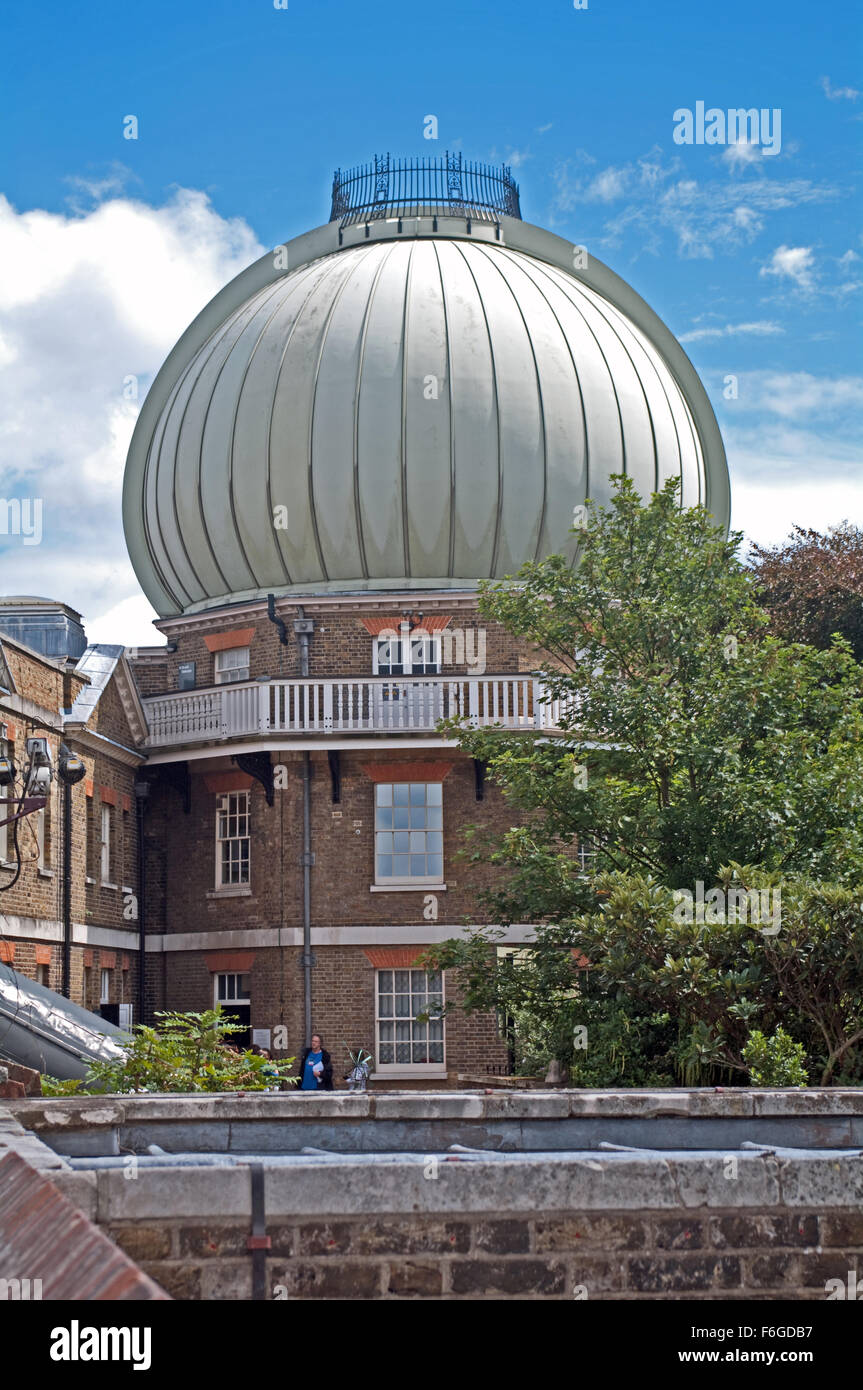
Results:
<point x="812" y="585"/>
<point x="694" y="739"/>
<point x="184" y="1052"/>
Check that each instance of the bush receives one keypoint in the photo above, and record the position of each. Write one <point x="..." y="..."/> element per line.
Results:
<point x="186" y="1052"/>
<point x="776" y="1061"/>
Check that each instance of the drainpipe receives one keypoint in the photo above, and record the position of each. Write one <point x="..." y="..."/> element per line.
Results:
<point x="142" y="791"/>
<point x="303" y="629"/>
<point x="66" y="986"/>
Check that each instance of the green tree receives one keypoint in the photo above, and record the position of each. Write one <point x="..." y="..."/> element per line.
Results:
<point x="692" y="739"/>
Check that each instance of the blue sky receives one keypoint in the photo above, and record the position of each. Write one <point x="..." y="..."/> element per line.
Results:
<point x="109" y="246"/>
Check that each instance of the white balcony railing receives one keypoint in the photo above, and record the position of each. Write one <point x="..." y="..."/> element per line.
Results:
<point x="363" y="705"/>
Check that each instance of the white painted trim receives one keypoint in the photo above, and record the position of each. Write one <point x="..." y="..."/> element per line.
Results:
<point x="83" y="934"/>
<point x="263" y="938"/>
<point x="416" y="887"/>
<point x="307" y="744"/>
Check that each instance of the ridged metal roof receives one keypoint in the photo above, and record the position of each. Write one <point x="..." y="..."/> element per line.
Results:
<point x="428" y="409"/>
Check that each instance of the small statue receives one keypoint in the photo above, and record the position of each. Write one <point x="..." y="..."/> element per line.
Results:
<point x="357" y="1077"/>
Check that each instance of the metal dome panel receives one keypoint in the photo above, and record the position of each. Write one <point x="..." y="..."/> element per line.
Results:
<point x="429" y="408"/>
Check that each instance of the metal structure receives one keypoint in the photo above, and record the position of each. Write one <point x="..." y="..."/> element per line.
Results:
<point x="433" y="186"/>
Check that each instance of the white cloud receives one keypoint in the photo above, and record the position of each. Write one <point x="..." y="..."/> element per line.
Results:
<point x="758" y="328"/>
<point x="714" y="215"/>
<point x="741" y="153"/>
<point x="793" y="263"/>
<point x="838" y="93"/>
<point x="607" y="186"/>
<point x="94" y="298"/>
<point x="801" y="396"/>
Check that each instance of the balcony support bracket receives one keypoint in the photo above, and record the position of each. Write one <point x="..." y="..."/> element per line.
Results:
<point x="259" y="766"/>
<point x="177" y="776"/>
<point x="335" y="762"/>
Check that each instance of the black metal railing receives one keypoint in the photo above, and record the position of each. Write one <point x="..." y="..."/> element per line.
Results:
<point x="433" y="186"/>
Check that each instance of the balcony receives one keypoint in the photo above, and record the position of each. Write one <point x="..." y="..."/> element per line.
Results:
<point x="372" y="705"/>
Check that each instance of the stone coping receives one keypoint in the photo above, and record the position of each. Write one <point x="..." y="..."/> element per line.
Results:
<point x="442" y="1184"/>
<point x="106" y="1112"/>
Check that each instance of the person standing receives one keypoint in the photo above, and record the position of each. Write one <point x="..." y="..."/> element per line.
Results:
<point x="316" y="1067"/>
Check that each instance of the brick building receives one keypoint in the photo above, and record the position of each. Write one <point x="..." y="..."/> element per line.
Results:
<point x="83" y="696"/>
<point x="365" y="423"/>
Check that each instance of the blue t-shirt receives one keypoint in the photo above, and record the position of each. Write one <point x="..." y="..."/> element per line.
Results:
<point x="310" y="1081"/>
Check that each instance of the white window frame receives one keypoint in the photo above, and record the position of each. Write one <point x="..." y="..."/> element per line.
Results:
<point x="105" y="819"/>
<point x="234" y="977"/>
<point x="231" y="671"/>
<point x="406" y="643"/>
<point x="236" y="804"/>
<point x="386" y="830"/>
<point x="414" y="1068"/>
<point x="104" y="985"/>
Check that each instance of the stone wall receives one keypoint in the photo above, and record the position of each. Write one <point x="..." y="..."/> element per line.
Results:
<point x="470" y="1208"/>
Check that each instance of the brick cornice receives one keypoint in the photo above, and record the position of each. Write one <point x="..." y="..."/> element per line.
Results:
<point x="432" y="622"/>
<point x="233" y="781"/>
<point x="223" y="641"/>
<point x="239" y="961"/>
<point x="415" y="770"/>
<point x="393" y="957"/>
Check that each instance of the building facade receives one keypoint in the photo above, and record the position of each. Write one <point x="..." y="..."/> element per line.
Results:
<point x="374" y="417"/>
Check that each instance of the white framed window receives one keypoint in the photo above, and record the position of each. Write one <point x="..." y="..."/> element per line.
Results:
<point x="232" y="988"/>
<point x="403" y="1040"/>
<point x="104" y="986"/>
<point x="409" y="832"/>
<point x="105" y="843"/>
<point x="406" y="655"/>
<point x="43" y="975"/>
<point x="232" y="665"/>
<point x="586" y="856"/>
<point x="232" y="840"/>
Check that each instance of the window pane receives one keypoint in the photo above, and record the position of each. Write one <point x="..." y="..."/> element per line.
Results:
<point x="384" y="842"/>
<point x="435" y="866"/>
<point x="401" y="866"/>
<point x="417" y="842"/>
<point x="418" y="793"/>
<point x="385" y="794"/>
<point x="385" y="1006"/>
<point x="434" y="842"/>
<point x="401" y="817"/>
<point x="420" y="1052"/>
<point x="401" y="841"/>
<point x="386" y="1054"/>
<point x="418" y="866"/>
<point x="385" y="981"/>
<point x="402" y="981"/>
<point x="400" y="794"/>
<point x="385" y="866"/>
<point x="434" y="793"/>
<point x="384" y="818"/>
<point x="435" y="1051"/>
<point x="434" y="817"/>
<point x="387" y="1032"/>
<point x="433" y="979"/>
<point x="403" y="1052"/>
